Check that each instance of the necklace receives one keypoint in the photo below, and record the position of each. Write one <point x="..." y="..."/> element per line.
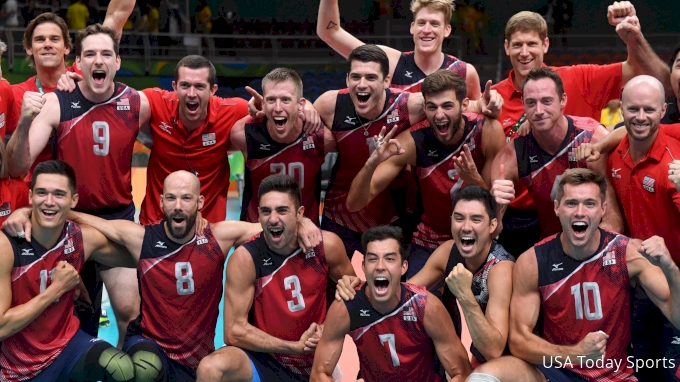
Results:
<point x="362" y="123"/>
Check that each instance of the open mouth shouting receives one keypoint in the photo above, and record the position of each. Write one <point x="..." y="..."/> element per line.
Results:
<point x="579" y="228"/>
<point x="192" y="106"/>
<point x="467" y="242"/>
<point x="280" y="123"/>
<point x="443" y="127"/>
<point x="98" y="77"/>
<point x="275" y="232"/>
<point x="381" y="285"/>
<point x="363" y="97"/>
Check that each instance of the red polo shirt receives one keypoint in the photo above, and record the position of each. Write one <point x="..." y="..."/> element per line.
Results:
<point x="13" y="195"/>
<point x="588" y="89"/>
<point x="650" y="202"/>
<point x="203" y="150"/>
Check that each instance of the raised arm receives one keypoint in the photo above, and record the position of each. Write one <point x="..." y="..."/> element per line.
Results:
<point x="239" y="293"/>
<point x="651" y="263"/>
<point x="434" y="269"/>
<point x="336" y="257"/>
<point x="117" y="13"/>
<point x="14" y="318"/>
<point x="381" y="168"/>
<point x="329" y="143"/>
<point x="525" y="306"/>
<point x="330" y="345"/>
<point x="39" y="116"/>
<point x="104" y="251"/>
<point x="232" y="233"/>
<point x="416" y="108"/>
<point x="329" y="29"/>
<point x="641" y="57"/>
<point x="450" y="350"/>
<point x="504" y="173"/>
<point x="489" y="332"/>
<point x="613" y="219"/>
<point x="123" y="232"/>
<point x="237" y="137"/>
<point x="591" y="152"/>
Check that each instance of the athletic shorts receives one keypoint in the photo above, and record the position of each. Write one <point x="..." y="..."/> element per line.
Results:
<point x="173" y="371"/>
<point x="557" y="374"/>
<point x="266" y="368"/>
<point x="62" y="366"/>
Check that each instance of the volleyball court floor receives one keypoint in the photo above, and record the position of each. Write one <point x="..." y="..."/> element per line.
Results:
<point x="349" y="361"/>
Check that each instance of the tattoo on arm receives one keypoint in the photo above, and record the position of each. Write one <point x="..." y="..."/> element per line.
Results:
<point x="331" y="25"/>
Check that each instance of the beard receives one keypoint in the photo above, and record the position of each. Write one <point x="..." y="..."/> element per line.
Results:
<point x="181" y="232"/>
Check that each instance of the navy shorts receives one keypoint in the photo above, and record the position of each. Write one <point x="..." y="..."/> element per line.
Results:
<point x="351" y="239"/>
<point x="557" y="374"/>
<point x="266" y="368"/>
<point x="172" y="370"/>
<point x="62" y="366"/>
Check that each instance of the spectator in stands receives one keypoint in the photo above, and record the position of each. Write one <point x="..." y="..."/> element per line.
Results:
<point x="611" y="114"/>
<point x="77" y="15"/>
<point x="9" y="13"/>
<point x="149" y="24"/>
<point x="203" y="17"/>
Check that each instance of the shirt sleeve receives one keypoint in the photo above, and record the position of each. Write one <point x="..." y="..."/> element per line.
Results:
<point x="672" y="131"/>
<point x="600" y="83"/>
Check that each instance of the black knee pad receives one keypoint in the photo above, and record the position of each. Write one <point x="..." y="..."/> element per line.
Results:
<point x="148" y="362"/>
<point x="103" y="362"/>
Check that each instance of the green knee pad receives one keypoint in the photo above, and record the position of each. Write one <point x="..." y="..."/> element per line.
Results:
<point x="148" y="366"/>
<point x="118" y="365"/>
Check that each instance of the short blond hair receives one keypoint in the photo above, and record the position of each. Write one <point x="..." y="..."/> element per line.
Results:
<point x="526" y="22"/>
<point x="444" y="6"/>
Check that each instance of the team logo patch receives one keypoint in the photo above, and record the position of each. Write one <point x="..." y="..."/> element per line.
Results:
<point x="68" y="247"/>
<point x="201" y="240"/>
<point x="648" y="183"/>
<point x="310" y="254"/>
<point x="2" y="120"/>
<point x="350" y="120"/>
<point x="123" y="104"/>
<point x="609" y="258"/>
<point x="471" y="144"/>
<point x="409" y="314"/>
<point x="308" y="143"/>
<point x="209" y="139"/>
<point x="393" y="116"/>
<point x="570" y="156"/>
<point x="5" y="209"/>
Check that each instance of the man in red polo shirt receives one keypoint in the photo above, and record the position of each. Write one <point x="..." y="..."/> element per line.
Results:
<point x="589" y="88"/>
<point x="638" y="170"/>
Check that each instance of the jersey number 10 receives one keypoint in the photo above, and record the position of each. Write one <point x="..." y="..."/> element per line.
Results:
<point x="583" y="304"/>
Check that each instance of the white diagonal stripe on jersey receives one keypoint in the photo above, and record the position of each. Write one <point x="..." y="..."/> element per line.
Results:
<point x="340" y="136"/>
<point x="457" y="150"/>
<point x="559" y="154"/>
<point x="271" y="275"/>
<point x="25" y="269"/>
<point x="594" y="258"/>
<point x="366" y="328"/>
<point x="159" y="259"/>
<point x="262" y="161"/>
<point x="78" y="119"/>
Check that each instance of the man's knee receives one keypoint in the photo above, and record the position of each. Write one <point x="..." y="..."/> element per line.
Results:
<point x="228" y="361"/>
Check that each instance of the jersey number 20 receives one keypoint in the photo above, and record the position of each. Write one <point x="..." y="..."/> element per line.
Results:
<point x="294" y="169"/>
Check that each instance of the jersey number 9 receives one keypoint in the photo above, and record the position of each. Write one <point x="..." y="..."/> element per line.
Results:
<point x="100" y="135"/>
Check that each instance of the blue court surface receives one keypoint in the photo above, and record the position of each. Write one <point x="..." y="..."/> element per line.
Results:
<point x="110" y="333"/>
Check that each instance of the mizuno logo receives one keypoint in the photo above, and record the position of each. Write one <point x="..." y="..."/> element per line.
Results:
<point x="615" y="173"/>
<point x="557" y="267"/>
<point x="364" y="313"/>
<point x="533" y="158"/>
<point x="432" y="153"/>
<point x="75" y="105"/>
<point x="264" y="146"/>
<point x="160" y="244"/>
<point x="267" y="261"/>
<point x="27" y="252"/>
<point x="165" y="127"/>
<point x="350" y="120"/>
<point x="676" y="341"/>
<point x="408" y="74"/>
<point x="506" y="121"/>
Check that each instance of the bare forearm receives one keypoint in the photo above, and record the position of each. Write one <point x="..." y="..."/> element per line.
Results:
<point x="251" y="338"/>
<point x="107" y="228"/>
<point x="18" y="317"/>
<point x="644" y="61"/>
<point x="534" y="349"/>
<point x="320" y="377"/>
<point x="19" y="150"/>
<point x="673" y="277"/>
<point x="487" y="339"/>
<point x="612" y="219"/>
<point x="360" y="191"/>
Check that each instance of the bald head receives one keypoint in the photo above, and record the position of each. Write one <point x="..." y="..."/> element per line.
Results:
<point x="182" y="178"/>
<point x="643" y="83"/>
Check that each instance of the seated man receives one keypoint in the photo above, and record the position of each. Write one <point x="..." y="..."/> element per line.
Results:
<point x="180" y="268"/>
<point x="393" y="324"/>
<point x="275" y="294"/>
<point x="579" y="279"/>
<point x="41" y="339"/>
<point x="479" y="274"/>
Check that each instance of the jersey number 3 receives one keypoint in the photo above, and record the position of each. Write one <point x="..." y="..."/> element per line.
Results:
<point x="100" y="135"/>
<point x="293" y="283"/>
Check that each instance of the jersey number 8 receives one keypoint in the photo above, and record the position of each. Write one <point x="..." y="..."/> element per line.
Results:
<point x="184" y="274"/>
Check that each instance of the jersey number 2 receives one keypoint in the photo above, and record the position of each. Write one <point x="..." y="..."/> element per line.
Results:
<point x="184" y="275"/>
<point x="392" y="345"/>
<point x="100" y="135"/>
<point x="583" y="305"/>
<point x="293" y="283"/>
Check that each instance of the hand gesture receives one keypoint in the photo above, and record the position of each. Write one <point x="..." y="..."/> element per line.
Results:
<point x="310" y="338"/>
<point x="345" y="288"/>
<point x="503" y="190"/>
<point x="618" y="11"/>
<point x="593" y="346"/>
<point x="65" y="277"/>
<point x="31" y="104"/>
<point x="459" y="281"/>
<point x="18" y="224"/>
<point x="255" y="104"/>
<point x="654" y="249"/>
<point x="385" y="147"/>
<point x="491" y="102"/>
<point x="311" y="119"/>
<point x="674" y="173"/>
<point x="588" y="152"/>
<point x="465" y="166"/>
<point x="67" y="81"/>
<point x="629" y="29"/>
